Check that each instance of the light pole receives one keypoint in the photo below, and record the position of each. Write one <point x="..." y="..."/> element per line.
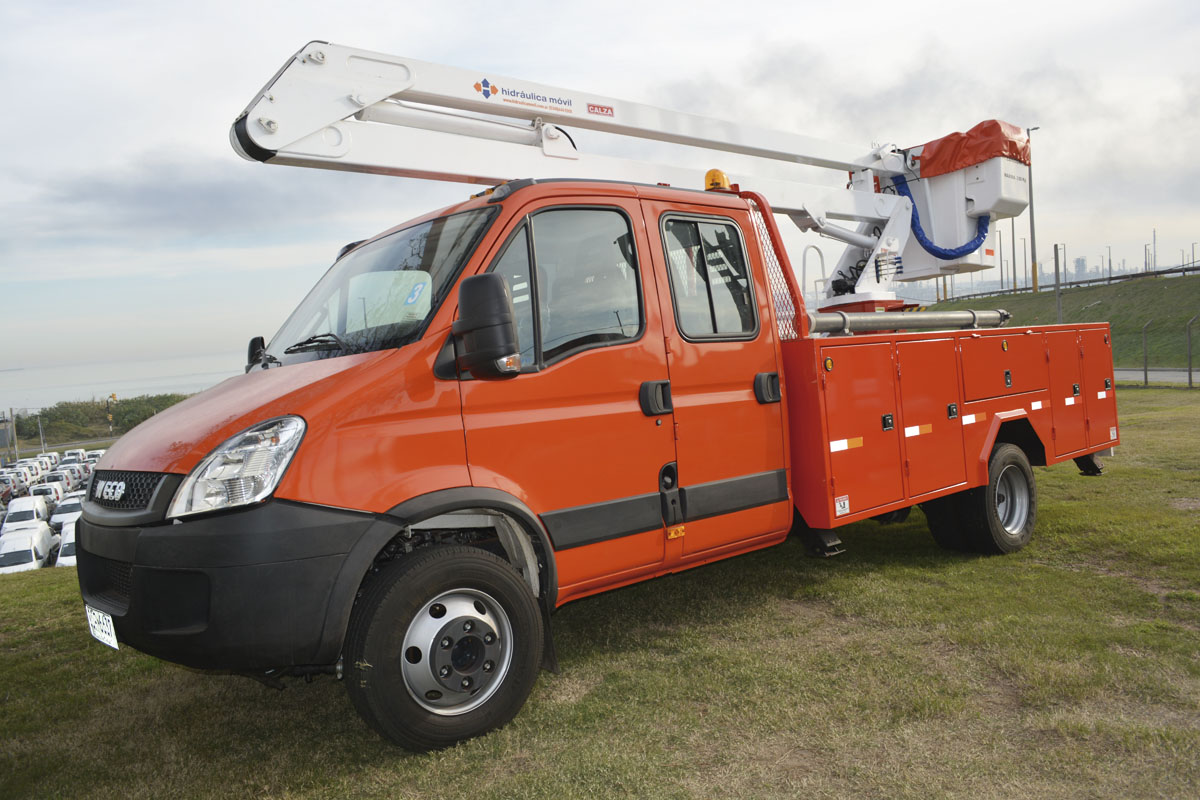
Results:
<point x="1057" y="285"/>
<point x="1012" y="239"/>
<point x="1000" y="258"/>
<point x="1109" y="246"/>
<point x="1025" y="260"/>
<point x="1032" y="233"/>
<point x="1193" y="254"/>
<point x="1146" y="268"/>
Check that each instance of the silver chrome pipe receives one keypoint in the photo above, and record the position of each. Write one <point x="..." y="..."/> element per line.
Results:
<point x="850" y="322"/>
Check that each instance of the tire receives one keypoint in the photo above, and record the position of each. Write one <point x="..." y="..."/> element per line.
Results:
<point x="1000" y="517"/>
<point x="944" y="517"/>
<point x="443" y="645"/>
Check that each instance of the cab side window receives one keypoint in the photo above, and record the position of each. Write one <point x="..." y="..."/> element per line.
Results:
<point x="710" y="282"/>
<point x="513" y="264"/>
<point x="583" y="290"/>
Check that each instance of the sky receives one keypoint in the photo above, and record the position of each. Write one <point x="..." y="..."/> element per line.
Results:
<point x="129" y="228"/>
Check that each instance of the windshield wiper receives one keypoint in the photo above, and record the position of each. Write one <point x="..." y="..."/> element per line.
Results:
<point x="320" y="341"/>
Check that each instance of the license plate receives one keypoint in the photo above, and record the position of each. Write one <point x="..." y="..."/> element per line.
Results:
<point x="101" y="626"/>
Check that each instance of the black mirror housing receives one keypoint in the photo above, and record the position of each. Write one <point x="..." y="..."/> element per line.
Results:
<point x="254" y="352"/>
<point x="484" y="333"/>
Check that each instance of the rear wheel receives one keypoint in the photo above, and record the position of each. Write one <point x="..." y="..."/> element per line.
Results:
<point x="443" y="646"/>
<point x="1000" y="516"/>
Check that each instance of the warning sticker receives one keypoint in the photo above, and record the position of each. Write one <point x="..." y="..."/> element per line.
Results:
<point x="841" y="505"/>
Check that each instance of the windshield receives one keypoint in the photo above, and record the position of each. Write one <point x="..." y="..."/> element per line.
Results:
<point x="18" y="516"/>
<point x="68" y="507"/>
<point x="68" y="549"/>
<point x="382" y="294"/>
<point x="16" y="557"/>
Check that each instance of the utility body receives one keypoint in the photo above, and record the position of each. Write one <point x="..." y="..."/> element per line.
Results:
<point x="563" y="386"/>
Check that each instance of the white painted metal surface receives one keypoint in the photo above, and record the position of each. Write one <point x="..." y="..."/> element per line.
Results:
<point x="341" y="108"/>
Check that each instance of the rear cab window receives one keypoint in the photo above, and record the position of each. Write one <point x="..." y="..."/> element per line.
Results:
<point x="712" y="290"/>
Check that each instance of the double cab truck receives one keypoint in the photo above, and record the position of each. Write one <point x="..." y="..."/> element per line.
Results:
<point x="567" y="384"/>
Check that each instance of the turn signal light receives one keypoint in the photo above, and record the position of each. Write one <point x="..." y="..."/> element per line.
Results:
<point x="509" y="364"/>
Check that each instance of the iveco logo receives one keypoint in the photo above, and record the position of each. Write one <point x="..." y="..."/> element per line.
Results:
<point x="109" y="490"/>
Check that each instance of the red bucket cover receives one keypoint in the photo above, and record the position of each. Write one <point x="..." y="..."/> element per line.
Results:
<point x="988" y="139"/>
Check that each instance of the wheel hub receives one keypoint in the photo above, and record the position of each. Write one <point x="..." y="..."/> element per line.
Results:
<point x="1012" y="499"/>
<point x="456" y="651"/>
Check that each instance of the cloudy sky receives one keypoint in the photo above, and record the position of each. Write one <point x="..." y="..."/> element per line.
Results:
<point x="122" y="201"/>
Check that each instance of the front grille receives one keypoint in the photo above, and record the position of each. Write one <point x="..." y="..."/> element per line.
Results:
<point x="138" y="489"/>
<point x="111" y="581"/>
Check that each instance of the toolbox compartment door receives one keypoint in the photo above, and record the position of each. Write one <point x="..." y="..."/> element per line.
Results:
<point x="864" y="455"/>
<point x="1066" y="392"/>
<point x="1099" y="395"/>
<point x="1002" y="364"/>
<point x="931" y="430"/>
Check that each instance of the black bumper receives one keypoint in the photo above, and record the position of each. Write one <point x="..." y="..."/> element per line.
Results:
<point x="270" y="586"/>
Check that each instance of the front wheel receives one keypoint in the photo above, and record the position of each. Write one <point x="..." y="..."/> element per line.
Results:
<point x="999" y="517"/>
<point x="443" y="645"/>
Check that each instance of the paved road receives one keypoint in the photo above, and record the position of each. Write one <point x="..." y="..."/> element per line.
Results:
<point x="1159" y="375"/>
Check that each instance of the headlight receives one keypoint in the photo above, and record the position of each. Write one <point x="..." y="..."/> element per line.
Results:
<point x="243" y="470"/>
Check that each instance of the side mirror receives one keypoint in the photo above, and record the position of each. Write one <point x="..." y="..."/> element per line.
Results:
<point x="484" y="333"/>
<point x="254" y="352"/>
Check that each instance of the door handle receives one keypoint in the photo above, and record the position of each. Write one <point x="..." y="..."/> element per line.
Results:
<point x="655" y="398"/>
<point x="766" y="387"/>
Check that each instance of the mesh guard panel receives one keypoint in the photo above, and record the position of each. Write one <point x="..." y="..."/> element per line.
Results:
<point x="785" y="307"/>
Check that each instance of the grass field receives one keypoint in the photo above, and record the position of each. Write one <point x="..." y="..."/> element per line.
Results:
<point x="1167" y="303"/>
<point x="1070" y="669"/>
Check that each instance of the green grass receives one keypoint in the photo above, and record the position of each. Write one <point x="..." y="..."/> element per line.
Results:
<point x="1070" y="669"/>
<point x="1168" y="302"/>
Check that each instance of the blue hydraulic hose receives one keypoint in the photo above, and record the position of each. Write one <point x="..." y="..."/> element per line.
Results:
<point x="943" y="253"/>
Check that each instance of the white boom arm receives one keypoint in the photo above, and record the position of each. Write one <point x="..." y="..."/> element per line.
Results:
<point x="340" y="108"/>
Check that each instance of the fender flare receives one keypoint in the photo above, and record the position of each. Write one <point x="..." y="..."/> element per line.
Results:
<point x="989" y="441"/>
<point x="387" y="525"/>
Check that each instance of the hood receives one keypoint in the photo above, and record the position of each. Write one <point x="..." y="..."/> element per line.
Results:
<point x="176" y="439"/>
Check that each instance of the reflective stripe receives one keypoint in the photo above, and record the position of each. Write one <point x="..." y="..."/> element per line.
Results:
<point x="1101" y="395"/>
<point x="1070" y="401"/>
<point x="845" y="444"/>
<point x="1036" y="405"/>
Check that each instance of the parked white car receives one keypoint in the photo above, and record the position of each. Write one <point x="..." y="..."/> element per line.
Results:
<point x="27" y="548"/>
<point x="53" y="491"/>
<point x="67" y="512"/>
<point x="25" y="511"/>
<point x="77" y="472"/>
<point x="65" y="477"/>
<point x="66" y="551"/>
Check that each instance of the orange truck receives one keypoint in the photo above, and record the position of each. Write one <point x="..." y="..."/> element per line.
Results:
<point x="559" y="387"/>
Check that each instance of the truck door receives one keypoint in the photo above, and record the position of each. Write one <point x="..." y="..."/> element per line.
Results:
<point x="568" y="436"/>
<point x="724" y="377"/>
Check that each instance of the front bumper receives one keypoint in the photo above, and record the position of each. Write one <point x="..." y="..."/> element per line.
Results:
<point x="264" y="587"/>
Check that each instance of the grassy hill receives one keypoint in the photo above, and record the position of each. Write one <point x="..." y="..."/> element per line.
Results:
<point x="1169" y="302"/>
